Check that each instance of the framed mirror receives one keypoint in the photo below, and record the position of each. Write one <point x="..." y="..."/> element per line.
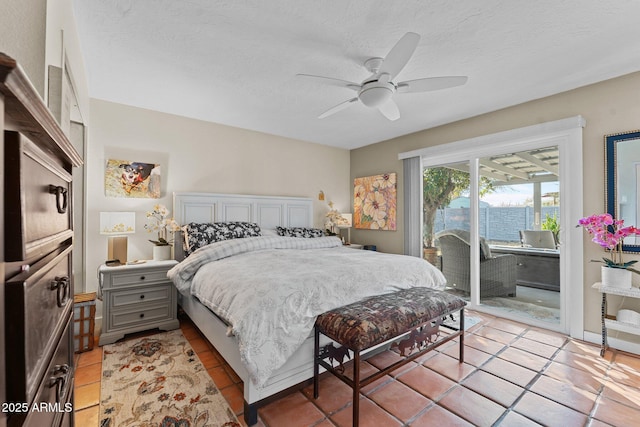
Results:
<point x="622" y="181"/>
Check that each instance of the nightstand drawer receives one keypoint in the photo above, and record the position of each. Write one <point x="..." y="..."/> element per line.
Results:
<point x="138" y="278"/>
<point x="141" y="315"/>
<point x="151" y="294"/>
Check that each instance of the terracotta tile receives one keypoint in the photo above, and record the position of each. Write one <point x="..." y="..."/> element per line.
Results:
<point x="483" y="344"/>
<point x="87" y="417"/>
<point x="615" y="413"/>
<point x="544" y="336"/>
<point x="199" y="345"/>
<point x="509" y="371"/>
<point x="513" y="419"/>
<point x="524" y="358"/>
<point x="208" y="359"/>
<point x="88" y="374"/>
<point x="437" y="416"/>
<point x="232" y="374"/>
<point x="371" y="415"/>
<point x="535" y="347"/>
<point x="426" y="382"/>
<point x="630" y="362"/>
<point x="582" y="347"/>
<point x="626" y="370"/>
<point x="622" y="393"/>
<point x="333" y="394"/>
<point x="598" y="423"/>
<point x="581" y="379"/>
<point x="234" y="397"/>
<point x="493" y="388"/>
<point x="384" y="359"/>
<point x="325" y="423"/>
<point x="495" y="335"/>
<point x="586" y="362"/>
<point x="471" y="406"/>
<point x="367" y="369"/>
<point x="90" y="357"/>
<point x="220" y="377"/>
<point x="292" y="410"/>
<point x="548" y="412"/>
<point x="449" y="367"/>
<point x="565" y="394"/>
<point x="471" y="355"/>
<point x="507" y="325"/>
<point x="86" y="395"/>
<point x="399" y="400"/>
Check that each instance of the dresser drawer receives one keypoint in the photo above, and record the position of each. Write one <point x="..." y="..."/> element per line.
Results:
<point x="141" y="315"/>
<point x="136" y="278"/>
<point x="149" y="294"/>
<point x="38" y="214"/>
<point x="56" y="388"/>
<point x="38" y="304"/>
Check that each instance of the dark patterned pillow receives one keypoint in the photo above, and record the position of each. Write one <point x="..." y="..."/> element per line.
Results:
<point x="199" y="235"/>
<point x="299" y="232"/>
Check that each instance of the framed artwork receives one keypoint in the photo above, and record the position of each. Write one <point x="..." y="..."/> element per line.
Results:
<point x="374" y="202"/>
<point x="124" y="178"/>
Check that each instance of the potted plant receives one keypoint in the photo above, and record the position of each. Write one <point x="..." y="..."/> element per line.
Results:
<point x="551" y="223"/>
<point x="610" y="233"/>
<point x="158" y="221"/>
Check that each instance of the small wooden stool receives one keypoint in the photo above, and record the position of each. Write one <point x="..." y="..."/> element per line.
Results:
<point x="410" y="317"/>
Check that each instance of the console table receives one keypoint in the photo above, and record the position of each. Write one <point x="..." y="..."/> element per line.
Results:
<point x="610" y="321"/>
<point x="537" y="268"/>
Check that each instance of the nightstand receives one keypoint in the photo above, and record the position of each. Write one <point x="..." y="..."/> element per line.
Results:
<point x="136" y="298"/>
<point x="353" y="246"/>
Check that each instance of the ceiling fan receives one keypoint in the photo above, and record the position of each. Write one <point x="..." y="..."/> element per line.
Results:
<point x="377" y="90"/>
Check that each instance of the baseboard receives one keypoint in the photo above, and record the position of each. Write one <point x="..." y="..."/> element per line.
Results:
<point x="613" y="342"/>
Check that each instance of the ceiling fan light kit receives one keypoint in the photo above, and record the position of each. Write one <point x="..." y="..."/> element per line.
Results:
<point x="377" y="91"/>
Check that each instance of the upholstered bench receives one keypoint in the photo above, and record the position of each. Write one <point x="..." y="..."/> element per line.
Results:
<point x="410" y="319"/>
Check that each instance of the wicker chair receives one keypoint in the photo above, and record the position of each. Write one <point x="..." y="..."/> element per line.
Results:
<point x="497" y="273"/>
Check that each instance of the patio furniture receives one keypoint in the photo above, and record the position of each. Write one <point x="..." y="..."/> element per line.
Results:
<point x="497" y="273"/>
<point x="537" y="239"/>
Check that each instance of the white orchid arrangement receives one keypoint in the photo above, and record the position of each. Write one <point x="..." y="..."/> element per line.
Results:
<point x="158" y="220"/>
<point x="334" y="219"/>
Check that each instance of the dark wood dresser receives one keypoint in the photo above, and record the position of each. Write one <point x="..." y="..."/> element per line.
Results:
<point x="36" y="330"/>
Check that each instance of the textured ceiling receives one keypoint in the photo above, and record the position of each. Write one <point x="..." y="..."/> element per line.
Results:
<point x="235" y="62"/>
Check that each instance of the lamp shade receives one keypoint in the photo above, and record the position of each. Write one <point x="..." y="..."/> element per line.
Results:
<point x="347" y="220"/>
<point x="117" y="223"/>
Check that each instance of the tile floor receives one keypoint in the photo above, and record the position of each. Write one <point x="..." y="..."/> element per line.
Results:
<point x="513" y="375"/>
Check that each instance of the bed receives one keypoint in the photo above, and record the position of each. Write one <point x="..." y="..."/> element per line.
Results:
<point x="269" y="348"/>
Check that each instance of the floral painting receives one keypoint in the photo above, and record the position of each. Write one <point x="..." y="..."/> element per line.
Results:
<point x="374" y="202"/>
<point x="124" y="178"/>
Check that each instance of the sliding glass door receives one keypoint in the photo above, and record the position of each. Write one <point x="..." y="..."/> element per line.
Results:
<point x="494" y="231"/>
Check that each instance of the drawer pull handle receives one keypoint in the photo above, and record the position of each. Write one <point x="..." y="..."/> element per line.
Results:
<point x="59" y="380"/>
<point x="142" y="277"/>
<point x="141" y="315"/>
<point x="61" y="197"/>
<point x="141" y="296"/>
<point x="61" y="285"/>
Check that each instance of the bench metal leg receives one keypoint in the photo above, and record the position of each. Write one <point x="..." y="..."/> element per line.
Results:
<point x="461" y="358"/>
<point x="356" y="388"/>
<point x="316" y="360"/>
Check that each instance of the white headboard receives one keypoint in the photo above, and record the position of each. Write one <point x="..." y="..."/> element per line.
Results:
<point x="267" y="211"/>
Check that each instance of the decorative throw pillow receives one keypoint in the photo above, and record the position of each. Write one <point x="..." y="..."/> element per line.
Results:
<point x="198" y="235"/>
<point x="299" y="232"/>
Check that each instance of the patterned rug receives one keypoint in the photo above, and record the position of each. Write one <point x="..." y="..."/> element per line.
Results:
<point x="159" y="381"/>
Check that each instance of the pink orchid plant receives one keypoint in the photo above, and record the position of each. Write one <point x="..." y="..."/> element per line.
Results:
<point x="610" y="233"/>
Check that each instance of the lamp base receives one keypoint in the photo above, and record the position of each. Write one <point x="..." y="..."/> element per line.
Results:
<point x="117" y="248"/>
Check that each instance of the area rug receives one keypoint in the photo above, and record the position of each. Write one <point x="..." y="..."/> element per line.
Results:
<point x="159" y="381"/>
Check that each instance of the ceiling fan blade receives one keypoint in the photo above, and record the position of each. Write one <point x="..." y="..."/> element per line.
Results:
<point x="431" y="83"/>
<point x="390" y="110"/>
<point x="331" y="81"/>
<point x="337" y="108"/>
<point x="399" y="55"/>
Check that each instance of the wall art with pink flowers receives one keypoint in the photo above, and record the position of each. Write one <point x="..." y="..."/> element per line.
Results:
<point x="374" y="202"/>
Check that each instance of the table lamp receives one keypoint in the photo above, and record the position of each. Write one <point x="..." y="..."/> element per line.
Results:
<point x="347" y="223"/>
<point x="116" y="225"/>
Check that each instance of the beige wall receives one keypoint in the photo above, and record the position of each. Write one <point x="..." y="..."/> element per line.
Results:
<point x="202" y="157"/>
<point x="22" y="37"/>
<point x="608" y="107"/>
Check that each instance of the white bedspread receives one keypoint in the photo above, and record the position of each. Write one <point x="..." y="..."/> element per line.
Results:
<point x="272" y="288"/>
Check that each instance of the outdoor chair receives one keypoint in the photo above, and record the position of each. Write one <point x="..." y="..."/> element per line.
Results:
<point x="542" y="239"/>
<point x="497" y="273"/>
